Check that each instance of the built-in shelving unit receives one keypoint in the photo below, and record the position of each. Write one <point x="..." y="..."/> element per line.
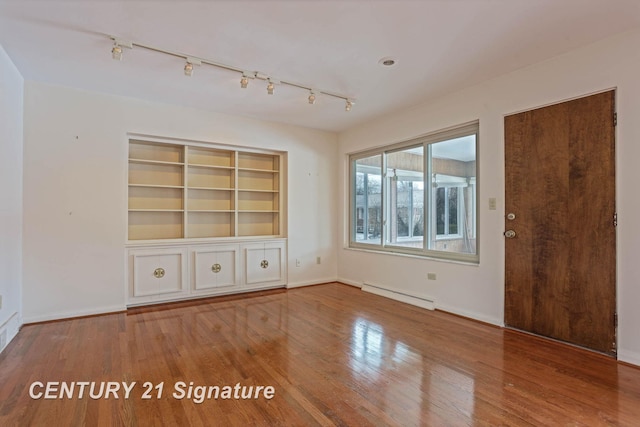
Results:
<point x="203" y="220"/>
<point x="185" y="191"/>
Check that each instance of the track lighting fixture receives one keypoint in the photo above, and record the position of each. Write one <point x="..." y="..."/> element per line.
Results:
<point x="191" y="62"/>
<point x="348" y="105"/>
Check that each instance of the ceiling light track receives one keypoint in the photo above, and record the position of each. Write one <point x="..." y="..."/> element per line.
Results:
<point x="246" y="76"/>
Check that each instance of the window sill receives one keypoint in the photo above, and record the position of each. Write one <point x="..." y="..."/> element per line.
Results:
<point x="395" y="252"/>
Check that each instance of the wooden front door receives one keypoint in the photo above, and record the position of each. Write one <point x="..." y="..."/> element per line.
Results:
<point x="560" y="222"/>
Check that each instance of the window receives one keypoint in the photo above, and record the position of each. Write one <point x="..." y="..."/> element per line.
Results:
<point x="418" y="197"/>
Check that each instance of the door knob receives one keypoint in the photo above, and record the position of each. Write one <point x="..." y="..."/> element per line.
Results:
<point x="509" y="234"/>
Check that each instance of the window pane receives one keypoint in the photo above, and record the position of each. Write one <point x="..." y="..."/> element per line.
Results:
<point x="368" y="194"/>
<point x="453" y="210"/>
<point x="405" y="197"/>
<point x="453" y="167"/>
<point x="440" y="211"/>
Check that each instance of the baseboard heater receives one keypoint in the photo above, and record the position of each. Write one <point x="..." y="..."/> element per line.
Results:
<point x="419" y="301"/>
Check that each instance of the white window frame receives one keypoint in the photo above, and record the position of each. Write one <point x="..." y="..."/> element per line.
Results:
<point x="426" y="141"/>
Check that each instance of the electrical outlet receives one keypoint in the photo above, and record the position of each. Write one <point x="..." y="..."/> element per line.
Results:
<point x="318" y="260"/>
<point x="0" y="302"/>
<point x="3" y="340"/>
<point x="431" y="276"/>
<point x="297" y="262"/>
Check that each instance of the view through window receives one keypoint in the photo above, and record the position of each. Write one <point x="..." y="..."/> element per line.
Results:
<point x="418" y="197"/>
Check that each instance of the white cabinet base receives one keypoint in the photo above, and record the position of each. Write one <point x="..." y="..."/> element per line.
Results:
<point x="158" y="274"/>
<point x="263" y="263"/>
<point x="215" y="267"/>
<point x="187" y="271"/>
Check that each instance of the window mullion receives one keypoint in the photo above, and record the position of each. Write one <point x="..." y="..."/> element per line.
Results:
<point x="428" y="195"/>
<point x="384" y="206"/>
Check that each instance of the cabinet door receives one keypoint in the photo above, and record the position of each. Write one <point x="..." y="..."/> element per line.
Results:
<point x="264" y="263"/>
<point x="158" y="273"/>
<point x="215" y="267"/>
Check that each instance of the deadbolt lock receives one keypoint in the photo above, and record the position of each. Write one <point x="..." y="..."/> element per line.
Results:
<point x="511" y="216"/>
<point x="509" y="234"/>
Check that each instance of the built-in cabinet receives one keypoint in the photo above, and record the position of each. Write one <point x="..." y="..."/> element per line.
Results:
<point x="203" y="220"/>
<point x="173" y="273"/>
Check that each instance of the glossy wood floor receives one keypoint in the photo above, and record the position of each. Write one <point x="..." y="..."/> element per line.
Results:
<point x="334" y="355"/>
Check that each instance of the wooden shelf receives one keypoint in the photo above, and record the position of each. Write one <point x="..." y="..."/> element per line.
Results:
<point x="155" y="225"/>
<point x="145" y="150"/>
<point x="258" y="170"/>
<point x="155" y="162"/>
<point x="156" y="174"/>
<point x="156" y="210"/>
<point x="258" y="223"/>
<point x="155" y="186"/>
<point x="207" y="157"/>
<point x="211" y="188"/>
<point x="192" y="191"/>
<point x="209" y="210"/>
<point x="210" y="224"/>
<point x="258" y="161"/>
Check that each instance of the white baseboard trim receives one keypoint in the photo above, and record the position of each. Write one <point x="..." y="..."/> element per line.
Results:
<point x="417" y="300"/>
<point x="471" y="315"/>
<point x="9" y="329"/>
<point x="71" y="314"/>
<point x="631" y="357"/>
<point x="311" y="282"/>
<point x="349" y="282"/>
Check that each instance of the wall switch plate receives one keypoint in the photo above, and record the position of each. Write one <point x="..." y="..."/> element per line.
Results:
<point x="297" y="262"/>
<point x="431" y="276"/>
<point x="318" y="260"/>
<point x="492" y="203"/>
<point x="0" y="302"/>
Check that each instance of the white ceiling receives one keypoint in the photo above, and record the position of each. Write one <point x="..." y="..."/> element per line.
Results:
<point x="440" y="46"/>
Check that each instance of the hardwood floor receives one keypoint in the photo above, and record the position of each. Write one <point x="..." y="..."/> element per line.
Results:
<point x="333" y="354"/>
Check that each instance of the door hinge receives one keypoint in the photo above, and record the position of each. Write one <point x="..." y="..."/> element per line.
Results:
<point x="615" y="119"/>
<point x="615" y="219"/>
<point x="615" y="319"/>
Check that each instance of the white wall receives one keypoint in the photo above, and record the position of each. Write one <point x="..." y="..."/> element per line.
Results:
<point x="75" y="195"/>
<point x="478" y="291"/>
<point x="11" y="123"/>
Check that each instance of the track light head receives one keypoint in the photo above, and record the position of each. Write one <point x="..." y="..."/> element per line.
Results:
<point x="118" y="44"/>
<point x="188" y="66"/>
<point x="116" y="52"/>
<point x="244" y="82"/>
<point x="188" y="69"/>
<point x="270" y="87"/>
<point x="348" y="105"/>
<point x="312" y="97"/>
